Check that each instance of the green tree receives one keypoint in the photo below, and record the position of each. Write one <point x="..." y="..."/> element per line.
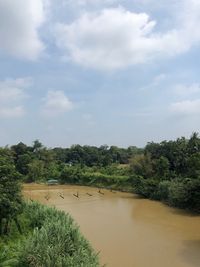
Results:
<point x="161" y="167"/>
<point x="35" y="170"/>
<point x="37" y="145"/>
<point x="10" y="192"/>
<point x="142" y="165"/>
<point x="22" y="163"/>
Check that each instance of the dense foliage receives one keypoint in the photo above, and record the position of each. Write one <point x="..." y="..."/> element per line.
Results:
<point x="39" y="163"/>
<point x="170" y="171"/>
<point x="10" y="192"/>
<point x="50" y="238"/>
<point x="87" y="165"/>
<point x="113" y="177"/>
<point x="56" y="241"/>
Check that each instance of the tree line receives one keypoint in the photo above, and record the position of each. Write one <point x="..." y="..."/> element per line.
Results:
<point x="170" y="171"/>
<point x="37" y="162"/>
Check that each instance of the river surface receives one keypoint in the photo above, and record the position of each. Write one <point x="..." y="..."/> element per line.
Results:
<point x="126" y="230"/>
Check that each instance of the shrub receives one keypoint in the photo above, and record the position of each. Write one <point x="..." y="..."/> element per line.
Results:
<point x="185" y="194"/>
<point x="146" y="187"/>
<point x="55" y="242"/>
<point x="163" y="190"/>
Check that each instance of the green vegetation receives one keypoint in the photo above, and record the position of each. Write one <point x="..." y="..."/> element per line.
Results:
<point x="56" y="240"/>
<point x="37" y="163"/>
<point x="83" y="165"/>
<point x="170" y="172"/>
<point x="10" y="192"/>
<point x="113" y="177"/>
<point x="49" y="238"/>
<point x="36" y="235"/>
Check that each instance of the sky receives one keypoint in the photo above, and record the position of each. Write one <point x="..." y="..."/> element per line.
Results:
<point x="95" y="72"/>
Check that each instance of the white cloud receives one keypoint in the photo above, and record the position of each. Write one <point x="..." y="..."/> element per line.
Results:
<point x="187" y="107"/>
<point x="11" y="97"/>
<point x="19" y="24"/>
<point x="186" y="90"/>
<point x="20" y="82"/>
<point x="10" y="94"/>
<point x="110" y="39"/>
<point x="116" y="38"/>
<point x="13" y="89"/>
<point x="12" y="112"/>
<point x="55" y="103"/>
<point x="87" y="2"/>
<point x="96" y="2"/>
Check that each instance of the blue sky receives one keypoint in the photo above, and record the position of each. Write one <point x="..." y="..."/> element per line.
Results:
<point x="95" y="72"/>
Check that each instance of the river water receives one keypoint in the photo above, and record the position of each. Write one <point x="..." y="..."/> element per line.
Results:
<point x="126" y="230"/>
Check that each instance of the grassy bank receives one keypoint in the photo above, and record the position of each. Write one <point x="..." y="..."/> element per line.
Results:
<point x="113" y="177"/>
<point x="48" y="238"/>
<point x="120" y="183"/>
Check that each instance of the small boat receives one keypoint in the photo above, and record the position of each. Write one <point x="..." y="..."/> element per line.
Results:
<point x="52" y="182"/>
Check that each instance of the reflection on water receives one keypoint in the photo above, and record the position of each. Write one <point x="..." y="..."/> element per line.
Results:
<point x="126" y="230"/>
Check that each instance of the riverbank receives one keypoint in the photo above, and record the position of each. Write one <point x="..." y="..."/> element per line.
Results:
<point x="170" y="193"/>
<point x="123" y="227"/>
<point x="126" y="188"/>
<point x="47" y="237"/>
<point x="115" y="178"/>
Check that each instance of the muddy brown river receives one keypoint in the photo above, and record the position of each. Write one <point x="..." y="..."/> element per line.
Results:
<point x="127" y="231"/>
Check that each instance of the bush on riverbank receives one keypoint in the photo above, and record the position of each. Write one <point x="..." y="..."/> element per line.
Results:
<point x="184" y="194"/>
<point x="50" y="238"/>
<point x="170" y="172"/>
<point x="98" y="178"/>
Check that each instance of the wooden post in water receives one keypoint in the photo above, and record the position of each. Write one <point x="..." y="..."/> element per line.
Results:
<point x="76" y="195"/>
<point x="100" y="192"/>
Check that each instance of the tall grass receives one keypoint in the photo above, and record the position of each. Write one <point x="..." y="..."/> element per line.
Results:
<point x="56" y="241"/>
<point x="6" y="257"/>
<point x="50" y="239"/>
